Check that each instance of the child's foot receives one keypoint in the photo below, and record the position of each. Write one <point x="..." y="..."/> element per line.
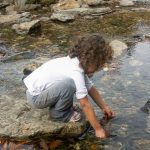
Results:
<point x="76" y="116"/>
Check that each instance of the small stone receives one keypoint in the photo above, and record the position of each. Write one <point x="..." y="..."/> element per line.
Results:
<point x="118" y="47"/>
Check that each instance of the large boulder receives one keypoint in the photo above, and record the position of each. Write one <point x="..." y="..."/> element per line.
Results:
<point x="27" y="27"/>
<point x="118" y="47"/>
<point x="21" y="122"/>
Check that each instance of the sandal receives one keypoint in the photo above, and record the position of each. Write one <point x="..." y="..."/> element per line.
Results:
<point x="76" y="116"/>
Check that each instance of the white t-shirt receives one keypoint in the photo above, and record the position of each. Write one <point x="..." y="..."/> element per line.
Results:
<point x="55" y="70"/>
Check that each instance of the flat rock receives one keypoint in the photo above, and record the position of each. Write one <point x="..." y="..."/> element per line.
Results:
<point x="62" y="17"/>
<point x="13" y="18"/>
<point x="21" y="122"/>
<point x="18" y="56"/>
<point x="70" y="14"/>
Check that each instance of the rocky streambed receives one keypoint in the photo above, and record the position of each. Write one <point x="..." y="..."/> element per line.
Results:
<point x="125" y="85"/>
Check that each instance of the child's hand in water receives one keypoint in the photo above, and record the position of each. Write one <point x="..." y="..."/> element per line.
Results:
<point x="108" y="113"/>
<point x="101" y="133"/>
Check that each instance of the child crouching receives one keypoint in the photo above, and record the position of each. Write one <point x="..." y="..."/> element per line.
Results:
<point x="55" y="83"/>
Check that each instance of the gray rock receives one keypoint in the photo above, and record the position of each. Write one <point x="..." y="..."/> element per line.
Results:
<point x="118" y="47"/>
<point x="21" y="122"/>
<point x="27" y="27"/>
<point x="62" y="17"/>
<point x="18" y="120"/>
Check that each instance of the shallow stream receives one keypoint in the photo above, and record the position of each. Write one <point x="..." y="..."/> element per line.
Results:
<point x="125" y="87"/>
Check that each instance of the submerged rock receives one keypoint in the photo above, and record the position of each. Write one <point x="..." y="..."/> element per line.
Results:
<point x="19" y="56"/>
<point x="146" y="108"/>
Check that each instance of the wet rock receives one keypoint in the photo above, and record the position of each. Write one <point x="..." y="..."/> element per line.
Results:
<point x="126" y="3"/>
<point x="4" y="50"/>
<point x="135" y="63"/>
<point x="146" y="108"/>
<point x="27" y="27"/>
<point x="62" y="17"/>
<point x="21" y="122"/>
<point x="142" y="144"/>
<point x="118" y="47"/>
<point x="65" y="4"/>
<point x="19" y="56"/>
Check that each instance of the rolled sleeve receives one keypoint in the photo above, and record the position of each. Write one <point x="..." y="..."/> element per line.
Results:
<point x="88" y="83"/>
<point x="81" y="89"/>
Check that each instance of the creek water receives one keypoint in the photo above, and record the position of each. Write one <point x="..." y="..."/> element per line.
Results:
<point x="125" y="87"/>
<point x="126" y="90"/>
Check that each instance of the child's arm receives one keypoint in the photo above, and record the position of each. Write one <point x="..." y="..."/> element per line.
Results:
<point x="89" y="112"/>
<point x="95" y="95"/>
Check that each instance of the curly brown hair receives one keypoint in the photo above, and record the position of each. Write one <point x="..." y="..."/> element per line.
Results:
<point x="91" y="49"/>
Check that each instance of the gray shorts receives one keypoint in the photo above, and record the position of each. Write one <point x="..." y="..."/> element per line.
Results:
<point x="58" y="97"/>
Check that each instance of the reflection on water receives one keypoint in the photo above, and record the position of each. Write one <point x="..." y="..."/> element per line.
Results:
<point x="126" y="89"/>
